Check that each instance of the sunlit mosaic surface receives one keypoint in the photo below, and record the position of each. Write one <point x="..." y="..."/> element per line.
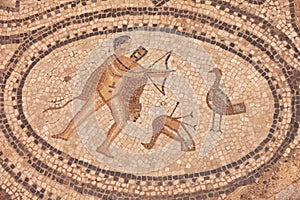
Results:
<point x="145" y="99"/>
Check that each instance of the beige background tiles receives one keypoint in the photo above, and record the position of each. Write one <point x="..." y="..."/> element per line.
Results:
<point x="189" y="99"/>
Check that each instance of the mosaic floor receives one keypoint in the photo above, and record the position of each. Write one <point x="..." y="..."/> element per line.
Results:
<point x="146" y="99"/>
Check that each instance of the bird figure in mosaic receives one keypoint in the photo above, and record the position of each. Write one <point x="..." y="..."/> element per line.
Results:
<point x="219" y="103"/>
<point x="168" y="125"/>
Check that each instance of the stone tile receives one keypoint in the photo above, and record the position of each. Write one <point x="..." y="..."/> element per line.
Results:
<point x="146" y="99"/>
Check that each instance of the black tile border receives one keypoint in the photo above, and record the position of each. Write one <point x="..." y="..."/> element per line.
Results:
<point x="56" y="9"/>
<point x="3" y="194"/>
<point x="294" y="17"/>
<point x="256" y="20"/>
<point x="158" y="3"/>
<point x="250" y="178"/>
<point x="257" y="2"/>
<point x="109" y="172"/>
<point x="8" y="167"/>
<point x="19" y="38"/>
<point x="222" y="4"/>
<point x="12" y="9"/>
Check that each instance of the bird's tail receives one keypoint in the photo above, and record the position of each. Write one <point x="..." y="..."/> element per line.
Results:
<point x="237" y="109"/>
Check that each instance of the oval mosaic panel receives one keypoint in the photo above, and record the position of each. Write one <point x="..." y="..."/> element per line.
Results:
<point x="163" y="100"/>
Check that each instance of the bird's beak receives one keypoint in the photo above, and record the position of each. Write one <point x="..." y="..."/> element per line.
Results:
<point x="210" y="71"/>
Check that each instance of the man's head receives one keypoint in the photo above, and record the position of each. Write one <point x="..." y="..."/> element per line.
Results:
<point x="121" y="44"/>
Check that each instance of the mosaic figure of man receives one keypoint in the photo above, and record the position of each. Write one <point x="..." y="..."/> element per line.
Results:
<point x="104" y="86"/>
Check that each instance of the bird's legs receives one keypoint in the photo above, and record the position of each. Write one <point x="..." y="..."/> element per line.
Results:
<point x="190" y="125"/>
<point x="184" y="144"/>
<point x="219" y="130"/>
<point x="213" y="121"/>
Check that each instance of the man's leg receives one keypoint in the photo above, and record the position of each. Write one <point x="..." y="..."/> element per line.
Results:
<point x="79" y="118"/>
<point x="119" y="114"/>
<point x="152" y="142"/>
<point x="167" y="131"/>
<point x="113" y="132"/>
<point x="185" y="146"/>
<point x="157" y="126"/>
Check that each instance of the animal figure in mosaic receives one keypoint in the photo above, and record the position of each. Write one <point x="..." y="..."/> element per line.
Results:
<point x="219" y="103"/>
<point x="117" y="83"/>
<point x="169" y="126"/>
